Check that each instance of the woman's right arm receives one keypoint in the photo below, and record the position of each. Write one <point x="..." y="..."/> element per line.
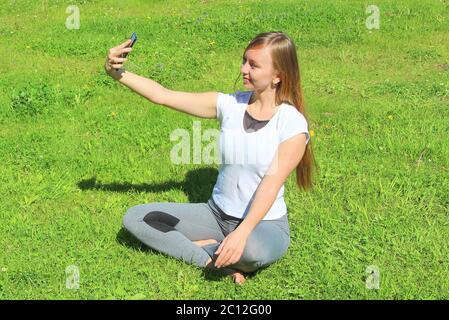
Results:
<point x="203" y="104"/>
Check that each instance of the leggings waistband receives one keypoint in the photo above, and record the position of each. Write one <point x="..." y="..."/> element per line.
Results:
<point x="216" y="208"/>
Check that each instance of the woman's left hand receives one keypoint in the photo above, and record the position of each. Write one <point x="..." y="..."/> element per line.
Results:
<point x="231" y="249"/>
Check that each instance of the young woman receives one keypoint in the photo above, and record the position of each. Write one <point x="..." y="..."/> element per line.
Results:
<point x="244" y="225"/>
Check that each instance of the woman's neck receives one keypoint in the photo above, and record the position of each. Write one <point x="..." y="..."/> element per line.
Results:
<point x="263" y="102"/>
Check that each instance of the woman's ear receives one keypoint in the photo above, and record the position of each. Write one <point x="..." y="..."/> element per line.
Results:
<point x="275" y="83"/>
<point x="276" y="79"/>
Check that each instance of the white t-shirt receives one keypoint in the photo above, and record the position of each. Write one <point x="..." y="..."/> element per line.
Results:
<point x="246" y="157"/>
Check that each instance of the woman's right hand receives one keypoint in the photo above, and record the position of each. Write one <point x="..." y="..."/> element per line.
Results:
<point x="114" y="61"/>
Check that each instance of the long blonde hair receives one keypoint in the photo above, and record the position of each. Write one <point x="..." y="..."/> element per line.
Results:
<point x="288" y="90"/>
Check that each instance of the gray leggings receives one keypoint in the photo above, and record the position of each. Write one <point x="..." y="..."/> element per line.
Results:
<point x="170" y="227"/>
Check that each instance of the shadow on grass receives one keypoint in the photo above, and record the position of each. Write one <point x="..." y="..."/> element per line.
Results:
<point x="126" y="239"/>
<point x="197" y="185"/>
<point x="217" y="275"/>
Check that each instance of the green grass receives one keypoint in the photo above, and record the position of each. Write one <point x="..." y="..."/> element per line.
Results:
<point x="77" y="149"/>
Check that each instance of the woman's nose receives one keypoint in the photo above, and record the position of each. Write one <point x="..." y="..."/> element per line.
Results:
<point x="244" y="69"/>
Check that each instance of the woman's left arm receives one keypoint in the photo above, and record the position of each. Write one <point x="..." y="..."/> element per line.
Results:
<point x="286" y="159"/>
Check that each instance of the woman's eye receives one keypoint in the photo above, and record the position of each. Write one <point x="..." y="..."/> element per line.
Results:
<point x="252" y="65"/>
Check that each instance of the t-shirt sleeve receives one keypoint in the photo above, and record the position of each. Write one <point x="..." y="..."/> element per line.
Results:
<point x="295" y="123"/>
<point x="225" y="101"/>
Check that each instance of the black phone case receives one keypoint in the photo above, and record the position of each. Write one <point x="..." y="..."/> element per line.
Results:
<point x="134" y="39"/>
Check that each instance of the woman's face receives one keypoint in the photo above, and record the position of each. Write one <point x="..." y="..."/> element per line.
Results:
<point x="257" y="65"/>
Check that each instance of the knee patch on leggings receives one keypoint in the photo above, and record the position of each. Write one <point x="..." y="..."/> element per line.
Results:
<point x="161" y="221"/>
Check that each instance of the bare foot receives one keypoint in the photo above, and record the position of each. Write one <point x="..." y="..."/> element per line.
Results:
<point x="201" y="243"/>
<point x="236" y="275"/>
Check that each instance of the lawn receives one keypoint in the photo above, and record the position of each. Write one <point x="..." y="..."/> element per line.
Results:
<point x="77" y="149"/>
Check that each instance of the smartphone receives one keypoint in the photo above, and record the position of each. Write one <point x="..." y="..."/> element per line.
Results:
<point x="133" y="41"/>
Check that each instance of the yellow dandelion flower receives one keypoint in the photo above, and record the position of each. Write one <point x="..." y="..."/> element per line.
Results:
<point x="312" y="133"/>
<point x="212" y="42"/>
<point x="114" y="114"/>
